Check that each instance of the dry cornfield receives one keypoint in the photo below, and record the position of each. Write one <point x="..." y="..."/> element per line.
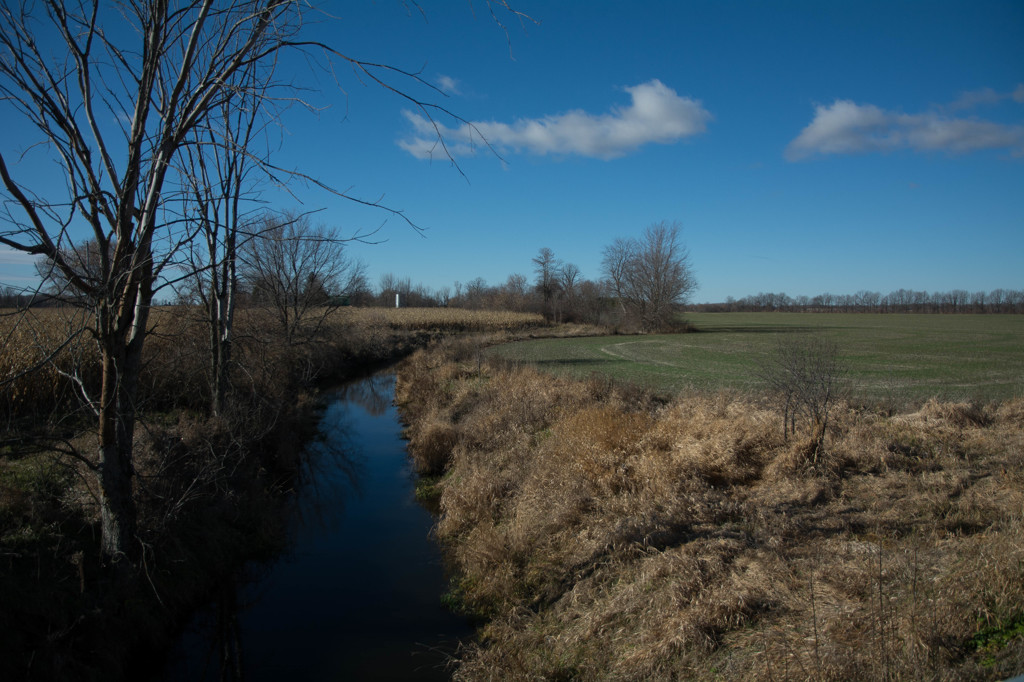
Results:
<point x="440" y="319"/>
<point x="46" y="351"/>
<point x="48" y="358"/>
<point x="41" y="350"/>
<point x="606" y="534"/>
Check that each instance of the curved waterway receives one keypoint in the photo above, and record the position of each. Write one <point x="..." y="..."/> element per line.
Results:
<point x="358" y="594"/>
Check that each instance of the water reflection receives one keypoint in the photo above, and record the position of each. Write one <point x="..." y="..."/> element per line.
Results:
<point x="374" y="394"/>
<point x="332" y="468"/>
<point x="335" y="460"/>
<point x="357" y="596"/>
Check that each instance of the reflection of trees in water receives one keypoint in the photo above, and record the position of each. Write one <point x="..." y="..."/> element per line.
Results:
<point x="334" y="463"/>
<point x="374" y="394"/>
<point x="219" y="657"/>
<point x="229" y="635"/>
<point x="332" y="466"/>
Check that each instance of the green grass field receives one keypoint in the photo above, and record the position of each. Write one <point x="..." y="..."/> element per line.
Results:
<point x="895" y="359"/>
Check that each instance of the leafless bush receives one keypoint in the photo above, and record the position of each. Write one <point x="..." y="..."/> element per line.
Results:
<point x="806" y="374"/>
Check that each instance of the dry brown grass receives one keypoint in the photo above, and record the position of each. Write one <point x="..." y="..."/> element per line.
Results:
<point x="440" y="319"/>
<point x="608" y="536"/>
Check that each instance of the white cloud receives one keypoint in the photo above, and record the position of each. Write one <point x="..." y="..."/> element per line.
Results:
<point x="17" y="269"/>
<point x="849" y="128"/>
<point x="448" y="85"/>
<point x="657" y="114"/>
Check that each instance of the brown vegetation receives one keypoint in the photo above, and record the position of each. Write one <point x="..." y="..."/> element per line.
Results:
<point x="40" y="367"/>
<point x="606" y="534"/>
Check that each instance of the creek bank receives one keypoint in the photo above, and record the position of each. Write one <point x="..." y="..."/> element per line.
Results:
<point x="606" y="534"/>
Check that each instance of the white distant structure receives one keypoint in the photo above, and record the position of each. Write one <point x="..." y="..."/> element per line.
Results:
<point x="397" y="295"/>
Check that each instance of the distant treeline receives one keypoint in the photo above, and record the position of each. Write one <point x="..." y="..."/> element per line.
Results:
<point x="899" y="301"/>
<point x="17" y="298"/>
<point x="588" y="301"/>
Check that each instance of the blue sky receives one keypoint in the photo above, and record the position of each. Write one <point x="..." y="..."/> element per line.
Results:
<point x="804" y="147"/>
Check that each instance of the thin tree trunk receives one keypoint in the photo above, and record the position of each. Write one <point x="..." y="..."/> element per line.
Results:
<point x="217" y="388"/>
<point x="221" y="320"/>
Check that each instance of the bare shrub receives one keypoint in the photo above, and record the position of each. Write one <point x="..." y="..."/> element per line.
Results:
<point x="805" y="374"/>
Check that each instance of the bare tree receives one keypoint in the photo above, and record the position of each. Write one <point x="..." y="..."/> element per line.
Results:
<point x="650" y="276"/>
<point x="515" y="293"/>
<point x="592" y="302"/>
<point x="569" y="279"/>
<point x="615" y="267"/>
<point x="476" y="294"/>
<point x="300" y="271"/>
<point x="119" y="175"/>
<point x="87" y="261"/>
<point x="114" y="93"/>
<point x="222" y="172"/>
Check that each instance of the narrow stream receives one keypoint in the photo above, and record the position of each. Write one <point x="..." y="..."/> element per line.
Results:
<point x="357" y="596"/>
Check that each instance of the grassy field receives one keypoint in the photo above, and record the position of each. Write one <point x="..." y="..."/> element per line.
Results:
<point x="890" y="358"/>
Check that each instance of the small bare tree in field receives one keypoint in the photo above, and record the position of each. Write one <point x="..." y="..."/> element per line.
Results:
<point x="806" y="374"/>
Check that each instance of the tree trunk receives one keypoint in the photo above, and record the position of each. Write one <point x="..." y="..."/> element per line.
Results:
<point x="116" y="439"/>
<point x="122" y="334"/>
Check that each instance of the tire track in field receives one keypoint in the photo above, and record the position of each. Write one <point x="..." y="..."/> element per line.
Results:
<point x="607" y="350"/>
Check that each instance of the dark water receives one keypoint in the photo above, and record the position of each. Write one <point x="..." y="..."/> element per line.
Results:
<point x="358" y="595"/>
